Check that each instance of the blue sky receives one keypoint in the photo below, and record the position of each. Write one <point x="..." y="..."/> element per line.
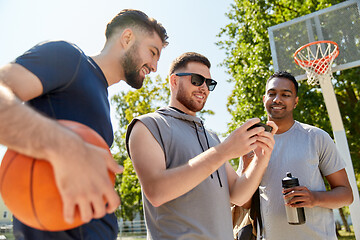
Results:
<point x="192" y="25"/>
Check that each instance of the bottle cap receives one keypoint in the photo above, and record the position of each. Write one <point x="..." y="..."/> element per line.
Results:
<point x="290" y="181"/>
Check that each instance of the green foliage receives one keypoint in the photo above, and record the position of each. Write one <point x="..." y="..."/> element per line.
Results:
<point x="348" y="96"/>
<point x="129" y="105"/>
<point x="130" y="192"/>
<point x="246" y="43"/>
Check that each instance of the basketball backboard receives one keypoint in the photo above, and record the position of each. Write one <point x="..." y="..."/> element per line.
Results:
<point x="339" y="23"/>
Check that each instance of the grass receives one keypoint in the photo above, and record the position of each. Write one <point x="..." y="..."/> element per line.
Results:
<point x="132" y="238"/>
<point x="9" y="236"/>
<point x="346" y="235"/>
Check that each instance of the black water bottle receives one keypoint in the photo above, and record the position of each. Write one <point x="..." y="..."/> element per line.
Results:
<point x="295" y="216"/>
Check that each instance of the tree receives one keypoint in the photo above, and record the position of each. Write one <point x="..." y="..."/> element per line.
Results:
<point x="153" y="94"/>
<point x="246" y="43"/>
<point x="249" y="63"/>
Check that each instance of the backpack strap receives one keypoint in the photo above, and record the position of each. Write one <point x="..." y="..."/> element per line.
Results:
<point x="255" y="212"/>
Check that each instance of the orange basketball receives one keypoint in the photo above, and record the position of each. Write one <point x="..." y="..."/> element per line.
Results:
<point x="28" y="187"/>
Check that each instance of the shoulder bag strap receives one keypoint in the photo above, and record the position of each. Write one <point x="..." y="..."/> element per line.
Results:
<point x="255" y="212"/>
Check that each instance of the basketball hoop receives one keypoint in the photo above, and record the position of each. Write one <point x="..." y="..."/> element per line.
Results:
<point x="316" y="59"/>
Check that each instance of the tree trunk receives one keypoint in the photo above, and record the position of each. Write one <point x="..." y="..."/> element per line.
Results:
<point x="343" y="218"/>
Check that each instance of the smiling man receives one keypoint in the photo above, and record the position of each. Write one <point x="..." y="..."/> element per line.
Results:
<point x="57" y="80"/>
<point x="309" y="154"/>
<point x="186" y="179"/>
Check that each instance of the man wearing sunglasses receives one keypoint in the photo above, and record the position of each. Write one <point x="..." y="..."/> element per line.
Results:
<point x="186" y="179"/>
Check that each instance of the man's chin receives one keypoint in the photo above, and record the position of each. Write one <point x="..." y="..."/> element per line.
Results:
<point x="197" y="108"/>
<point x="276" y="117"/>
<point x="137" y="84"/>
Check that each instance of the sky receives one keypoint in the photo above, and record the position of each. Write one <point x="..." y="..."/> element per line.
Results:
<point x="192" y="25"/>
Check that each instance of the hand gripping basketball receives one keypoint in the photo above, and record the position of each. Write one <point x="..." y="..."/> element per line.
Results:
<point x="28" y="187"/>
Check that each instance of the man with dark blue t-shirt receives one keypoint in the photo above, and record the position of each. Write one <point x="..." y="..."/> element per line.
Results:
<point x="58" y="81"/>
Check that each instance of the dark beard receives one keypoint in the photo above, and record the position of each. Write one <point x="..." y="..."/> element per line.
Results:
<point x="130" y="65"/>
<point x="188" y="103"/>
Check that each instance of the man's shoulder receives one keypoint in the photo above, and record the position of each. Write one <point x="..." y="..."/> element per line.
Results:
<point x="51" y="52"/>
<point x="56" y="48"/>
<point x="310" y="129"/>
<point x="307" y="127"/>
<point x="151" y="120"/>
<point x="151" y="115"/>
<point x="58" y="44"/>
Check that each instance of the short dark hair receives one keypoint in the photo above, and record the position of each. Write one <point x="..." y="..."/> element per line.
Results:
<point x="284" y="74"/>
<point x="138" y="19"/>
<point x="185" y="58"/>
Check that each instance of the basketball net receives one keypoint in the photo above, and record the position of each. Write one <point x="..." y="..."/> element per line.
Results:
<point x="316" y="59"/>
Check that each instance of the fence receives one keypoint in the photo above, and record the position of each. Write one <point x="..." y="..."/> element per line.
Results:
<point x="126" y="228"/>
<point x="6" y="228"/>
<point x="135" y="227"/>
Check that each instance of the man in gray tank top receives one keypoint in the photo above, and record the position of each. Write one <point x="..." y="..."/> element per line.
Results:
<point x="309" y="154"/>
<point x="186" y="179"/>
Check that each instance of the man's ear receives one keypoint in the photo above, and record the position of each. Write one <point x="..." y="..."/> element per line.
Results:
<point x="296" y="101"/>
<point x="173" y="81"/>
<point x="127" y="37"/>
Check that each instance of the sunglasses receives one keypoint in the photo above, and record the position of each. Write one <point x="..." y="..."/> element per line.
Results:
<point x="198" y="80"/>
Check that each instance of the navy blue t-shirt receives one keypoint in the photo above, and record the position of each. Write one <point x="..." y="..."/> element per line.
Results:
<point x="74" y="88"/>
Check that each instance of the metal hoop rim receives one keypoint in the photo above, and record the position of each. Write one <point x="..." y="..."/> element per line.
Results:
<point x="311" y="62"/>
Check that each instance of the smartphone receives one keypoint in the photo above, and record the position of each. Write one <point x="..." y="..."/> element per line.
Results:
<point x="267" y="127"/>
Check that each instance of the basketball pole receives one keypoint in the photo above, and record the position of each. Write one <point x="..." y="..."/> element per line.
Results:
<point x="343" y="148"/>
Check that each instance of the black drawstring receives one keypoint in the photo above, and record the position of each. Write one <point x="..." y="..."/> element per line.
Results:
<point x="197" y="134"/>
<point x="208" y="145"/>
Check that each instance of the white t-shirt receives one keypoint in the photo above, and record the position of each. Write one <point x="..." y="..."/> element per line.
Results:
<point x="309" y="154"/>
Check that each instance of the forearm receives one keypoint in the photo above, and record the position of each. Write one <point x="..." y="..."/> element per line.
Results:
<point x="161" y="184"/>
<point x="25" y="130"/>
<point x="335" y="198"/>
<point x="169" y="184"/>
<point x="245" y="185"/>
<point x="246" y="160"/>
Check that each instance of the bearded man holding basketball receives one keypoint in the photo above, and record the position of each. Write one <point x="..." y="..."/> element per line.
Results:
<point x="58" y="81"/>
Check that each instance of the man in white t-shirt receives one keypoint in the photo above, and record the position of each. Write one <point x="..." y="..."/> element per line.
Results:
<point x="309" y="154"/>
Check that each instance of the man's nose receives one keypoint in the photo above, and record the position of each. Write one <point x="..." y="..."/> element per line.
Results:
<point x="153" y="66"/>
<point x="277" y="99"/>
<point x="204" y="85"/>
